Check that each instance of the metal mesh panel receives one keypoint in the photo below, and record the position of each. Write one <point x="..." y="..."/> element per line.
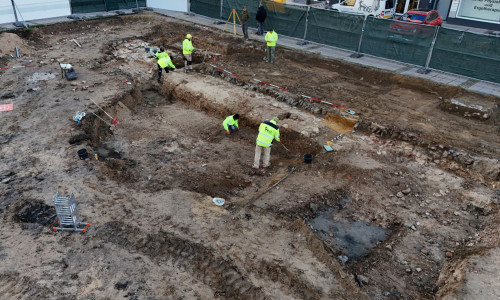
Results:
<point x="288" y="20"/>
<point x="468" y="54"/>
<point x="402" y="41"/>
<point x="334" y="28"/>
<point x="209" y="8"/>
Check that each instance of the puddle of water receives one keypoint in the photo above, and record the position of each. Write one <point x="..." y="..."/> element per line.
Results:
<point x="354" y="239"/>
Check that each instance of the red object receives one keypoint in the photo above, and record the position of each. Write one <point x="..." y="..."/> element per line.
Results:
<point x="410" y="27"/>
<point x="53" y="228"/>
<point x="428" y="17"/>
<point x="6" y="107"/>
<point x="84" y="230"/>
<point x="15" y="67"/>
<point x="225" y="70"/>
<point x="115" y="121"/>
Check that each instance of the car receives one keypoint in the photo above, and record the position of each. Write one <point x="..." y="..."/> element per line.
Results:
<point x="410" y="26"/>
<point x="427" y="17"/>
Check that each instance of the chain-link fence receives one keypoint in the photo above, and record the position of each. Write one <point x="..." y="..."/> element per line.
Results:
<point x="87" y="6"/>
<point x="465" y="53"/>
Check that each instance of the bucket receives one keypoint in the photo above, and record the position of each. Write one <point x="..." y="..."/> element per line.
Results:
<point x="308" y="158"/>
<point x="83" y="154"/>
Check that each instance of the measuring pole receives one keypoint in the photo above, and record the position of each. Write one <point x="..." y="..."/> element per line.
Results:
<point x="234" y="21"/>
<point x="425" y="69"/>
<point x="137" y="3"/>
<point x="358" y="54"/>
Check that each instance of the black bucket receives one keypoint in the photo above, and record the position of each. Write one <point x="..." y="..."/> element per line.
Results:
<point x="83" y="154"/>
<point x="308" y="158"/>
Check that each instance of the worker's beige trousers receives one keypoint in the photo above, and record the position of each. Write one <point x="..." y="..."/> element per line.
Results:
<point x="267" y="156"/>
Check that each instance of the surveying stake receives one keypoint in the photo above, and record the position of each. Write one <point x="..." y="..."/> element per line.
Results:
<point x="67" y="214"/>
<point x="235" y="15"/>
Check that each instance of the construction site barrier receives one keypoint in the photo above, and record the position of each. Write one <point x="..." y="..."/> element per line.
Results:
<point x="88" y="6"/>
<point x="430" y="47"/>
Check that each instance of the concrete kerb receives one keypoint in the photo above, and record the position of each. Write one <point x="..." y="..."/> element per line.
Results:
<point x="405" y="69"/>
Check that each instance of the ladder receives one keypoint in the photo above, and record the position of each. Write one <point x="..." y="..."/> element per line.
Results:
<point x="67" y="214"/>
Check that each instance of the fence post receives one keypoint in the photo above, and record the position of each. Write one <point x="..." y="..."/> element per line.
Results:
<point x="358" y="53"/>
<point x="221" y="4"/>
<point x="425" y="69"/>
<point x="304" y="42"/>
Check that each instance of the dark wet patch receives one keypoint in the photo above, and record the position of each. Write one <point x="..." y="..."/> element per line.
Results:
<point x="353" y="239"/>
<point x="33" y="211"/>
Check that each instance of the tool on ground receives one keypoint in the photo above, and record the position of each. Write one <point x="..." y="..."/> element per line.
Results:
<point x="322" y="101"/>
<point x="220" y="69"/>
<point x="17" y="53"/>
<point x="76" y="43"/>
<point x="284" y="147"/>
<point x="328" y="148"/>
<point x="15" y="67"/>
<point x="271" y="187"/>
<point x="95" y="155"/>
<point x="67" y="214"/>
<point x="67" y="71"/>
<point x="235" y="15"/>
<point x="267" y="83"/>
<point x="114" y="120"/>
<point x="351" y="112"/>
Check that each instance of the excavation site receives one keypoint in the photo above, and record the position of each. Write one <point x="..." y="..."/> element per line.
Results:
<point x="383" y="186"/>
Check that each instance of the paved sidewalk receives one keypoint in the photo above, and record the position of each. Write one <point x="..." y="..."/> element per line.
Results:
<point x="467" y="83"/>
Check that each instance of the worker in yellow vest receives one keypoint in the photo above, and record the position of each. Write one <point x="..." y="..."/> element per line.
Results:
<point x="230" y="124"/>
<point x="271" y="39"/>
<point x="187" y="49"/>
<point x="164" y="60"/>
<point x="268" y="132"/>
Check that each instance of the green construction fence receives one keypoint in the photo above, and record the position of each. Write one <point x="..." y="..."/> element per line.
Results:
<point x="88" y="6"/>
<point x="470" y="54"/>
<point x="454" y="51"/>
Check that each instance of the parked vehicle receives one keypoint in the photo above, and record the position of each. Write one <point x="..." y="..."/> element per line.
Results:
<point x="377" y="8"/>
<point x="411" y="25"/>
<point x="428" y="17"/>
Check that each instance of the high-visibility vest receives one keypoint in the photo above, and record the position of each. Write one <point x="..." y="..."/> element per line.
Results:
<point x="229" y="121"/>
<point x="271" y="38"/>
<point x="161" y="54"/>
<point x="268" y="131"/>
<point x="165" y="61"/>
<point x="187" y="47"/>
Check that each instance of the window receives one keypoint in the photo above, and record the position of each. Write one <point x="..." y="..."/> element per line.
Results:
<point x="389" y="4"/>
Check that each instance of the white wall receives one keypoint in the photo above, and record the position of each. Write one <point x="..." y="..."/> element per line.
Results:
<point x="177" y="5"/>
<point x="33" y="9"/>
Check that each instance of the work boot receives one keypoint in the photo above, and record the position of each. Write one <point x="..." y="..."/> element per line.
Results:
<point x="186" y="70"/>
<point x="159" y="80"/>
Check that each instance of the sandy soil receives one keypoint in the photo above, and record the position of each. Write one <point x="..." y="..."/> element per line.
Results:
<point x="404" y="207"/>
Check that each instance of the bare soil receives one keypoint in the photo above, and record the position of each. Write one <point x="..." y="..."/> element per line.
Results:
<point x="404" y="207"/>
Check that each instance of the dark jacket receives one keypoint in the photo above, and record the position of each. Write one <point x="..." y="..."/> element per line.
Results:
<point x="245" y="16"/>
<point x="261" y="14"/>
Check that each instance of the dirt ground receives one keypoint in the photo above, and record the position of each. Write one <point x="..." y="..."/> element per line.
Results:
<point x="404" y="207"/>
